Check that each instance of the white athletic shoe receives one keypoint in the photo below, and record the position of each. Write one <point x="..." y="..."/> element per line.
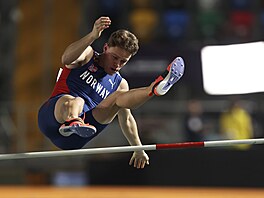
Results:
<point x="78" y="127"/>
<point x="174" y="72"/>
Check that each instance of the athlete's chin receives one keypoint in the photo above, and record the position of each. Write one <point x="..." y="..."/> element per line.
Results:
<point x="111" y="71"/>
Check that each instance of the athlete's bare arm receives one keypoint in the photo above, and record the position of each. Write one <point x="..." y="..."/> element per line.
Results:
<point x="129" y="128"/>
<point x="81" y="50"/>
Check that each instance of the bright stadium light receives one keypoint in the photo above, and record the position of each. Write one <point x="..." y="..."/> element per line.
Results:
<point x="233" y="69"/>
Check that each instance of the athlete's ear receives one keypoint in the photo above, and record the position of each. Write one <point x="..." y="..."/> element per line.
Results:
<point x="105" y="47"/>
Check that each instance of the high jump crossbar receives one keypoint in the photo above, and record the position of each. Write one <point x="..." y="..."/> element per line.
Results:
<point x="121" y="149"/>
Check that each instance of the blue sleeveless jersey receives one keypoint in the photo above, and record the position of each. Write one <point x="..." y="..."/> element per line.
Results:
<point x="89" y="82"/>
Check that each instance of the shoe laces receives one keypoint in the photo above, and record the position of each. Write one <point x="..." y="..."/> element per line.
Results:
<point x="74" y="122"/>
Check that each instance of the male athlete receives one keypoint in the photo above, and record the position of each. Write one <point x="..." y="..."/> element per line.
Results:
<point x="90" y="92"/>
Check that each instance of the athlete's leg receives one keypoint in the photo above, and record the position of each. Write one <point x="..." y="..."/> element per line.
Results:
<point x="106" y="111"/>
<point x="68" y="107"/>
<point x="67" y="111"/>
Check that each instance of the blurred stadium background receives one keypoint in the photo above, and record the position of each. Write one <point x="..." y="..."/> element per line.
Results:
<point x="33" y="36"/>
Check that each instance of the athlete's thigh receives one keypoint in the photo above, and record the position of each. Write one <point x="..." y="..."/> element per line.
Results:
<point x="107" y="109"/>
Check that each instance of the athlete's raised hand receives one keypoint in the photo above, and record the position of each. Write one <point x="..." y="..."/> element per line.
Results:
<point x="139" y="159"/>
<point x="100" y="25"/>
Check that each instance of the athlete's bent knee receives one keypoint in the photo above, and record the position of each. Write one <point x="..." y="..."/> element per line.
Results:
<point x="75" y="101"/>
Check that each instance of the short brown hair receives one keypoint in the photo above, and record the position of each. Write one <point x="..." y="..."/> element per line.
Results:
<point x="125" y="40"/>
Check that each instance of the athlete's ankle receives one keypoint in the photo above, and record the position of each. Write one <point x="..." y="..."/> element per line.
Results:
<point x="152" y="87"/>
<point x="154" y="92"/>
<point x="74" y="119"/>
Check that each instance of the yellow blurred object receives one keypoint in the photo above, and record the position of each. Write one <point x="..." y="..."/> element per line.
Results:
<point x="236" y="124"/>
<point x="143" y="22"/>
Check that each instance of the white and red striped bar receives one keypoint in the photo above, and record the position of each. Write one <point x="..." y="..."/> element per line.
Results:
<point x="219" y="143"/>
<point x="121" y="149"/>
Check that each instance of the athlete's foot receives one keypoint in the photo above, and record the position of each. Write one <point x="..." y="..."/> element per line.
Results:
<point x="78" y="127"/>
<point x="172" y="75"/>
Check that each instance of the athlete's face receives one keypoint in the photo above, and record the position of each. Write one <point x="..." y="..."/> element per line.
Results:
<point x="114" y="59"/>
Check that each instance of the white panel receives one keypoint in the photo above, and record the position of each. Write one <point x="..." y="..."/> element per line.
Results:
<point x="233" y="69"/>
